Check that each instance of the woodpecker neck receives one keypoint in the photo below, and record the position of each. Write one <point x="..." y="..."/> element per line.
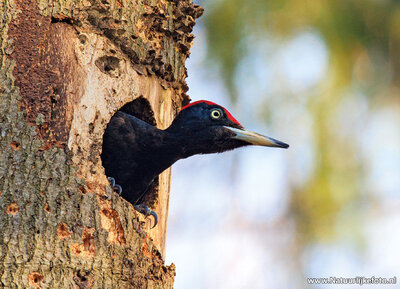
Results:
<point x="179" y="145"/>
<point x="168" y="150"/>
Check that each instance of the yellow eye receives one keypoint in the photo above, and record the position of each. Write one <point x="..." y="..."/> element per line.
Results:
<point x="216" y="113"/>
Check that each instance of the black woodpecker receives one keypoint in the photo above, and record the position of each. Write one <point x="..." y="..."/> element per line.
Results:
<point x="135" y="152"/>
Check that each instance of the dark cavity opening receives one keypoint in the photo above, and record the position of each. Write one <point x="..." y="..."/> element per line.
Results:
<point x="141" y="109"/>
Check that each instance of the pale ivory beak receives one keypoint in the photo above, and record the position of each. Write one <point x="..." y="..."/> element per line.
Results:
<point x="255" y="138"/>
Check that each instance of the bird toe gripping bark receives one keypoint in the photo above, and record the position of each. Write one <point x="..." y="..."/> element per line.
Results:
<point x="143" y="209"/>
<point x="117" y="188"/>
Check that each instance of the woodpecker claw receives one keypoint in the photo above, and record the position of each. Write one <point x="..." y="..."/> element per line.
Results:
<point x="111" y="181"/>
<point x="143" y="209"/>
<point x="116" y="188"/>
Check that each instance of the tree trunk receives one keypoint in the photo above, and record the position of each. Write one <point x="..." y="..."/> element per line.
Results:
<point x="66" y="67"/>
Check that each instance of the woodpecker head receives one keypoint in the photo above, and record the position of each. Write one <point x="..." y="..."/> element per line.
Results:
<point x="206" y="127"/>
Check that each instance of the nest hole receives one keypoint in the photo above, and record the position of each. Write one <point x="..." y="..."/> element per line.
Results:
<point x="141" y="109"/>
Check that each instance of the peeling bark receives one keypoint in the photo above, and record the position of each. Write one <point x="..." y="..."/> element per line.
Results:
<point x="66" y="67"/>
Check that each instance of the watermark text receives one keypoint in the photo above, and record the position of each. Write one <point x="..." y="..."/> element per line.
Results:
<point x="354" y="280"/>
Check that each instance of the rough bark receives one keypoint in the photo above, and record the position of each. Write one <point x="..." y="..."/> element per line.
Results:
<point x="66" y="67"/>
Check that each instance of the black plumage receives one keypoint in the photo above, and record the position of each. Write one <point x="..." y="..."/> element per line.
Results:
<point x="135" y="152"/>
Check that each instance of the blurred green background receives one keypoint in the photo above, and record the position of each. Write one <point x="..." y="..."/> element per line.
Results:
<point x="324" y="77"/>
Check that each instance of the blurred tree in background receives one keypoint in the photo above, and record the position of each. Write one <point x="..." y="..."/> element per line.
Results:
<point x="362" y="38"/>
